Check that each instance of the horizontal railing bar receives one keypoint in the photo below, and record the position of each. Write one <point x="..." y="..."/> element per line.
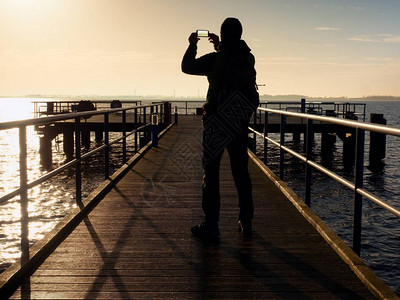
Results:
<point x="348" y="123"/>
<point x="66" y="116"/>
<point x="265" y="137"/>
<point x="379" y="202"/>
<point x="331" y="174"/>
<point x="92" y="152"/>
<point x="114" y="141"/>
<point x="98" y="149"/>
<point x="38" y="181"/>
<point x="298" y="155"/>
<point x="51" y="174"/>
<point x="9" y="196"/>
<point x="77" y="101"/>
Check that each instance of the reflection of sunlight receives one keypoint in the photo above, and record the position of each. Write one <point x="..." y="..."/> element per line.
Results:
<point x="21" y="110"/>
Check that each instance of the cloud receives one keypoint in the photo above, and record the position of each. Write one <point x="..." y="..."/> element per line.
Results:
<point x="327" y="28"/>
<point x="391" y="38"/>
<point x="327" y="45"/>
<point x="377" y="38"/>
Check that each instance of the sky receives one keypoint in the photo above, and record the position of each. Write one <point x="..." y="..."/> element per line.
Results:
<point x="317" y="48"/>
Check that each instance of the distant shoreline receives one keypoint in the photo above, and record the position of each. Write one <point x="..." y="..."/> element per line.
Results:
<point x="264" y="97"/>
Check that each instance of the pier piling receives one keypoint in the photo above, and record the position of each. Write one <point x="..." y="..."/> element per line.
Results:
<point x="377" y="145"/>
<point x="68" y="142"/>
<point x="46" y="156"/>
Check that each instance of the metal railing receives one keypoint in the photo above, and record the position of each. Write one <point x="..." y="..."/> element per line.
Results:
<point x="356" y="186"/>
<point x="52" y="107"/>
<point x="144" y="112"/>
<point x="339" y="109"/>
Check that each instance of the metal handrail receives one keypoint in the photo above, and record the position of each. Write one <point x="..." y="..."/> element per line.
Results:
<point x="40" y="107"/>
<point x="67" y="116"/>
<point x="340" y="108"/>
<point x="22" y="124"/>
<point x="357" y="186"/>
<point x="344" y="122"/>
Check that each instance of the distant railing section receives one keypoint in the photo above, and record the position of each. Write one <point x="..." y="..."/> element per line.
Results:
<point x="52" y="107"/>
<point x="152" y="116"/>
<point x="345" y="110"/>
<point x="348" y="110"/>
<point x="358" y="128"/>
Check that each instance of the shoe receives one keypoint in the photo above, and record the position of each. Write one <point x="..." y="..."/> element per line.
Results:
<point x="246" y="228"/>
<point x="205" y="230"/>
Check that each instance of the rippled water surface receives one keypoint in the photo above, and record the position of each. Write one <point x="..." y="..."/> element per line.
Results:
<point x="51" y="201"/>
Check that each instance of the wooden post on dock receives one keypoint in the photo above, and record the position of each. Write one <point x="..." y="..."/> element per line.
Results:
<point x="46" y="155"/>
<point x="377" y="144"/>
<point x="328" y="141"/>
<point x="167" y="113"/>
<point x="99" y="135"/>
<point x="303" y="105"/>
<point x="296" y="136"/>
<point x="85" y="134"/>
<point x="68" y="142"/>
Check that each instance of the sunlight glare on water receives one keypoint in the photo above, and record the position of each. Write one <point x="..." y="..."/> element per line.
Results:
<point x="16" y="109"/>
<point x="43" y="199"/>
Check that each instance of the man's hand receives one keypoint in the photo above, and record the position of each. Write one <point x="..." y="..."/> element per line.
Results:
<point x="213" y="38"/>
<point x="193" y="39"/>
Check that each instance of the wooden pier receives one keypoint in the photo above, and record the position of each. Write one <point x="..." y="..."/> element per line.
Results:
<point x="136" y="242"/>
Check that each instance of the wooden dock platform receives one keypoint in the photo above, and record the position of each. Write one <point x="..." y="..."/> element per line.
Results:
<point x="136" y="243"/>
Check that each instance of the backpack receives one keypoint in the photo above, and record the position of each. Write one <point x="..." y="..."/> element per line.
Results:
<point x="239" y="96"/>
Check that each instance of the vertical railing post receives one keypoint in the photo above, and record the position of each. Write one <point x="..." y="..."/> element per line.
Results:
<point x="176" y="115"/>
<point x="303" y="105"/>
<point x="23" y="176"/>
<point x="309" y="153"/>
<point x="254" y="132"/>
<point x="265" y="135"/>
<point x="107" y="148"/>
<point x="282" y="152"/>
<point x="162" y="117"/>
<point x="124" y="135"/>
<point x="154" y="130"/>
<point x="169" y="113"/>
<point x="78" y="176"/>
<point x="145" y="133"/>
<point x="136" y="131"/>
<point x="358" y="182"/>
<point x="151" y="118"/>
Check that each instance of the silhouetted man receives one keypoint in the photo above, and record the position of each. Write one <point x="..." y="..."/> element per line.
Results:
<point x="232" y="97"/>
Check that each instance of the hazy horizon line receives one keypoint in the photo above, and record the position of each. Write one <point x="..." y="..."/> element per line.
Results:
<point x="169" y="97"/>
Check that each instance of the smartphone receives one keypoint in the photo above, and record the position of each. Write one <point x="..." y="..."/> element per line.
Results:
<point x="202" y="33"/>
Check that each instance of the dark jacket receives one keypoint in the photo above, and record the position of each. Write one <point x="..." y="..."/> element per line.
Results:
<point x="215" y="66"/>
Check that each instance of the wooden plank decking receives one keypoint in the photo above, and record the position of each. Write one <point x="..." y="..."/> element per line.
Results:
<point x="136" y="244"/>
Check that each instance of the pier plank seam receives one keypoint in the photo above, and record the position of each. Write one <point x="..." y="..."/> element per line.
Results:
<point x="136" y="243"/>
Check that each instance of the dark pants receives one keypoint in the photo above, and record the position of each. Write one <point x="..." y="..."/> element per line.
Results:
<point x="236" y="144"/>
